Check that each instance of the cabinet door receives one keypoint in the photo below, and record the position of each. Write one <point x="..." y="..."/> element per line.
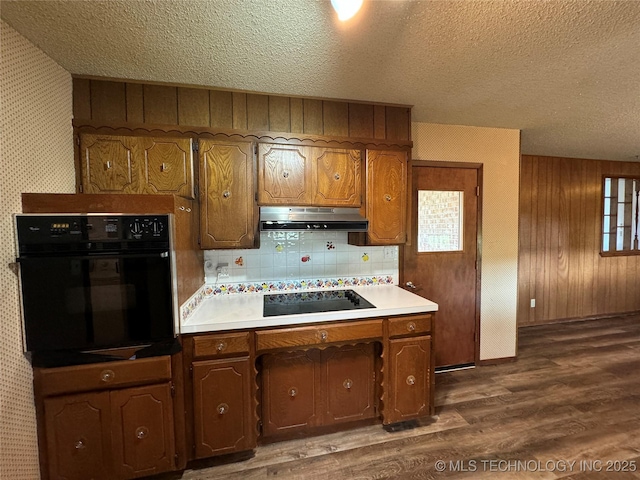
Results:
<point x="408" y="388"/>
<point x="223" y="407"/>
<point x="142" y="430"/>
<point x="336" y="177"/>
<point x="228" y="212"/>
<point x="284" y="175"/>
<point x="78" y="436"/>
<point x="108" y="164"/>
<point x="168" y="166"/>
<point x="386" y="196"/>
<point x="290" y="392"/>
<point x="350" y="381"/>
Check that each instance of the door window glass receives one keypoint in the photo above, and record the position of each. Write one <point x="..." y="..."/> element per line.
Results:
<point x="440" y="221"/>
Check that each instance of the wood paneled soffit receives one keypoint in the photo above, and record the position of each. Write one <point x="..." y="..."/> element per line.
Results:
<point x="166" y="109"/>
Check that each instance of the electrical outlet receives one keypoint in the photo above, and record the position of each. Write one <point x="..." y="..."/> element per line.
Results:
<point x="533" y="303"/>
<point x="223" y="270"/>
<point x="390" y="253"/>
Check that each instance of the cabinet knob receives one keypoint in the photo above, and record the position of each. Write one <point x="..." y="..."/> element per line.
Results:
<point x="107" y="375"/>
<point x="226" y="194"/>
<point x="411" y="380"/>
<point x="285" y="174"/>
<point x="107" y="166"/>
<point x="337" y="176"/>
<point x="80" y="445"/>
<point x="222" y="408"/>
<point x="221" y="346"/>
<point x="323" y="335"/>
<point x="348" y="383"/>
<point x="293" y="391"/>
<point x="411" y="326"/>
<point x="387" y="197"/>
<point x="142" y="432"/>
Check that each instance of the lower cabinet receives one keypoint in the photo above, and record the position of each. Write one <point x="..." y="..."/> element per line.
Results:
<point x="125" y="433"/>
<point x="306" y="389"/>
<point x="409" y="385"/>
<point x="222" y="405"/>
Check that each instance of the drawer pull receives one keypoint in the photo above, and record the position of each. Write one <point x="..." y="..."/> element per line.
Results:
<point x="337" y="176"/>
<point x="79" y="445"/>
<point x="411" y="326"/>
<point x="387" y="197"/>
<point x="221" y="346"/>
<point x="323" y="335"/>
<point x="107" y="376"/>
<point x="226" y="194"/>
<point x="142" y="432"/>
<point x="293" y="391"/>
<point x="222" y="408"/>
<point x="285" y="174"/>
<point x="348" y="383"/>
<point x="107" y="166"/>
<point x="411" y="380"/>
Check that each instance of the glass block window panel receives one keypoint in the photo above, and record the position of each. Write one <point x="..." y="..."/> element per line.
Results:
<point x="620" y="215"/>
<point x="440" y="221"/>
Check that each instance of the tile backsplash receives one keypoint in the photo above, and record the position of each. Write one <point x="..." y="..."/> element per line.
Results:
<point x="299" y="255"/>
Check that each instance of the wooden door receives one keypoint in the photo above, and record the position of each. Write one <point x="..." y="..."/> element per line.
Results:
<point x="386" y="197"/>
<point x="290" y="395"/>
<point x="168" y="166"/>
<point x="78" y="436"/>
<point x="223" y="418"/>
<point x="441" y="257"/>
<point x="350" y="383"/>
<point x="284" y="175"/>
<point x="228" y="212"/>
<point x="142" y="430"/>
<point x="108" y="164"/>
<point x="409" y="380"/>
<point x="336" y="178"/>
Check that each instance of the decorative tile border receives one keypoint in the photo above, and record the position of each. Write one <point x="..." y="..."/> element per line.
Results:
<point x="190" y="306"/>
<point x="293" y="285"/>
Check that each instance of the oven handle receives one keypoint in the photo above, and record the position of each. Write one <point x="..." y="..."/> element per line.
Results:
<point x="164" y="254"/>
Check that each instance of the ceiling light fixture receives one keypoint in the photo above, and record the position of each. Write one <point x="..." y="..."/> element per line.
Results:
<point x="346" y="8"/>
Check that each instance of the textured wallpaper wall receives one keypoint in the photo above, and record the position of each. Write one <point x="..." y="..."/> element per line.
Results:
<point x="36" y="155"/>
<point x="499" y="152"/>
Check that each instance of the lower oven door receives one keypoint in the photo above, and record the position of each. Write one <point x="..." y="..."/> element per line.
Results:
<point x="96" y="301"/>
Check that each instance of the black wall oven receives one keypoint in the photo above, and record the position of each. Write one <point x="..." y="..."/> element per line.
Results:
<point x="92" y="282"/>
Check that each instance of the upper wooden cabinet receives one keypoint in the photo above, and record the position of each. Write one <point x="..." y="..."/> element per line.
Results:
<point x="132" y="164"/>
<point x="308" y="176"/>
<point x="386" y="198"/>
<point x="228" y="211"/>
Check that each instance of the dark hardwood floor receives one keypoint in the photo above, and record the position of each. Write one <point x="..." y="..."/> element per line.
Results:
<point x="572" y="396"/>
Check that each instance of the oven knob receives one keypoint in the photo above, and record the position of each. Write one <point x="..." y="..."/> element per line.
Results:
<point x="135" y="228"/>
<point x="156" y="227"/>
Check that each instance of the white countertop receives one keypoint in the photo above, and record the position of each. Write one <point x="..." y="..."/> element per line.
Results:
<point x="238" y="311"/>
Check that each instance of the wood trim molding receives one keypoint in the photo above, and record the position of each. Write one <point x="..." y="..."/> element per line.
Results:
<point x="497" y="361"/>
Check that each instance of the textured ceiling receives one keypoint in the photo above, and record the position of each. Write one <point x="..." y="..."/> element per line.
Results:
<point x="567" y="73"/>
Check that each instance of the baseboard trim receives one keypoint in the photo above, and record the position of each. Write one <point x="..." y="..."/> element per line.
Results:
<point x="497" y="361"/>
<point x="579" y="319"/>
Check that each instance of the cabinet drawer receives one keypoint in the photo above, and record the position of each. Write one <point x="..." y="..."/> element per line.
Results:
<point x="413" y="325"/>
<point x="78" y="378"/>
<point x="220" y="345"/>
<point x="318" y="334"/>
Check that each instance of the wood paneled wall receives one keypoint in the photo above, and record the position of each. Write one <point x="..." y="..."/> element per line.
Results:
<point x="559" y="243"/>
<point x="121" y="103"/>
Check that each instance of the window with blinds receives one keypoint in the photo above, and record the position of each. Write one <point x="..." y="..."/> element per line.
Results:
<point x="620" y="216"/>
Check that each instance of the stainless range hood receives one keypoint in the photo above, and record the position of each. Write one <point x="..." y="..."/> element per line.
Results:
<point x="312" y="219"/>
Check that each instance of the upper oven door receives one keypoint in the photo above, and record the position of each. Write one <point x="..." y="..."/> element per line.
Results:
<point x="96" y="301"/>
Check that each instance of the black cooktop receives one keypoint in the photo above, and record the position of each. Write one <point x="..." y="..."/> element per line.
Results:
<point x="311" y="302"/>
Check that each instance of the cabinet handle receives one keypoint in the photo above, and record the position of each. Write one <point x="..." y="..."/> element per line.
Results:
<point x="107" y="166"/>
<point x="222" y="408"/>
<point x="411" y="326"/>
<point x="163" y="167"/>
<point x="348" y="383"/>
<point x="226" y="194"/>
<point x="222" y="345"/>
<point x="337" y="176"/>
<point x="142" y="432"/>
<point x="323" y="335"/>
<point x="411" y="380"/>
<point x="107" y="375"/>
<point x="293" y="391"/>
<point x="79" y="445"/>
<point x="387" y="197"/>
<point x="285" y="174"/>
